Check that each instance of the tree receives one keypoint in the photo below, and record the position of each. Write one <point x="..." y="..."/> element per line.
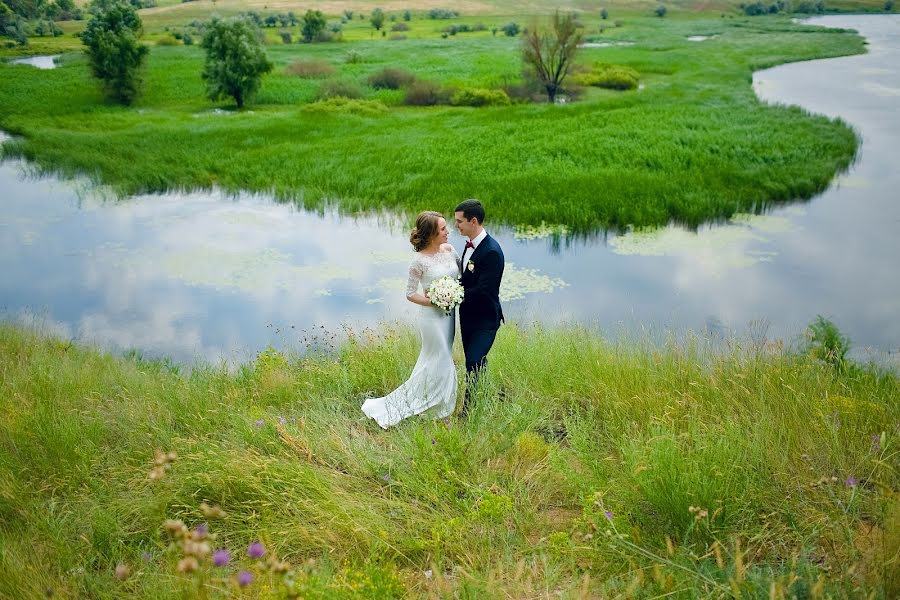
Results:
<point x="549" y="52"/>
<point x="235" y="59"/>
<point x="660" y="11"/>
<point x="111" y="40"/>
<point x="313" y="24"/>
<point x="377" y="19"/>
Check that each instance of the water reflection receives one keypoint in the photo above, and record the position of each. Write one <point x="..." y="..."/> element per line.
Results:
<point x="40" y="62"/>
<point x="214" y="276"/>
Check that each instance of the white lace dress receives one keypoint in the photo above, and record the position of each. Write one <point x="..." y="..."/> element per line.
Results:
<point x="432" y="385"/>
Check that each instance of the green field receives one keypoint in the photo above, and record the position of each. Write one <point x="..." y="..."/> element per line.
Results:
<point x="692" y="145"/>
<point x="589" y="469"/>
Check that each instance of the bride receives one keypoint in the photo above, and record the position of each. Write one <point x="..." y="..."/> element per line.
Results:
<point x="432" y="385"/>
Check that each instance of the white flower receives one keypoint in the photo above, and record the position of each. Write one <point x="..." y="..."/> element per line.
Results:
<point x="446" y="293"/>
<point x="471" y="266"/>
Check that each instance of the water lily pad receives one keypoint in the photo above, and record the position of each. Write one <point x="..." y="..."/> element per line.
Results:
<point x="518" y="282"/>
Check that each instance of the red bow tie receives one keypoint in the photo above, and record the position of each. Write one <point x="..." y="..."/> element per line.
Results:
<point x="469" y="244"/>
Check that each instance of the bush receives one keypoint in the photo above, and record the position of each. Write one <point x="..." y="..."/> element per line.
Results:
<point x="611" y="77"/>
<point x="825" y="342"/>
<point x="354" y="58"/>
<point x="660" y="11"/>
<point x="809" y="7"/>
<point x="391" y="79"/>
<point x="888" y="5"/>
<point x="188" y="39"/>
<point x="480" y="97"/>
<point x="377" y="19"/>
<point x="339" y="88"/>
<point x="286" y="37"/>
<point x="339" y="104"/>
<point x="348" y="14"/>
<point x="407" y="15"/>
<point x="426" y="93"/>
<point x="604" y="14"/>
<point x="167" y="40"/>
<point x="442" y="13"/>
<point x="313" y="25"/>
<point x="511" y="29"/>
<point x="618" y="23"/>
<point x="310" y="69"/>
<point x="400" y="27"/>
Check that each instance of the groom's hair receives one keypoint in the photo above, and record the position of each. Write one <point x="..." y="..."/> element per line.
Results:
<point x="471" y="208"/>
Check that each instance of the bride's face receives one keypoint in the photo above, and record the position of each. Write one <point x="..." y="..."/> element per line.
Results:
<point x="443" y="234"/>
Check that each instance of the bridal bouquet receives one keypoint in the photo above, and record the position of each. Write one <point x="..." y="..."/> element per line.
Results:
<point x="446" y="293"/>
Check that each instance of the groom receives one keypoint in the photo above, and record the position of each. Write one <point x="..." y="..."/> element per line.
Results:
<point x="480" y="314"/>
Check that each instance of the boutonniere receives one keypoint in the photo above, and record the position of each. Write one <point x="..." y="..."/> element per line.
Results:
<point x="471" y="266"/>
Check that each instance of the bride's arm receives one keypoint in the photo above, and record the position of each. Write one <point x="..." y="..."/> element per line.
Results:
<point x="416" y="270"/>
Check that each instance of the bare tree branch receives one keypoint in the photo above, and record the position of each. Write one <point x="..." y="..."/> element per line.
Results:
<point x="550" y="52"/>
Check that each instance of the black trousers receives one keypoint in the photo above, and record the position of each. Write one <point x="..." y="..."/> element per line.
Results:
<point x="476" y="344"/>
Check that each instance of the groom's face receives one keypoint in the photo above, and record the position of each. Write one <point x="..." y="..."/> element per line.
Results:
<point x="466" y="228"/>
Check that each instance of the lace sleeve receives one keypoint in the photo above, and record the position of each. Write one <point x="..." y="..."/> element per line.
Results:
<point x="416" y="270"/>
<point x="456" y="257"/>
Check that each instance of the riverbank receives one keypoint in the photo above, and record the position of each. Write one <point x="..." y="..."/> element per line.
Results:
<point x="693" y="145"/>
<point x="588" y="468"/>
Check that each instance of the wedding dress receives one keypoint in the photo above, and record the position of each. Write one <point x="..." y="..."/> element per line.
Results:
<point x="432" y="385"/>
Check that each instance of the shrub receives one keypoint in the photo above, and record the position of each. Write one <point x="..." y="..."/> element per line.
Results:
<point x="612" y="77"/>
<point x="604" y="14"/>
<point x="391" y="79"/>
<point x="167" y="40"/>
<point x="340" y="104"/>
<point x="809" y="6"/>
<point x="442" y="13"/>
<point x="825" y="342"/>
<point x="480" y="97"/>
<point x="310" y="69"/>
<point x="618" y="23"/>
<point x="339" y="88"/>
<point x="660" y="11"/>
<point x="511" y="29"/>
<point x="426" y="93"/>
<point x="286" y="37"/>
<point x="377" y="19"/>
<point x="188" y="39"/>
<point x="348" y="14"/>
<point x="888" y="5"/>
<point x="407" y="15"/>
<point x="313" y="25"/>
<point x="354" y="58"/>
<point x="397" y="37"/>
<point x="400" y="27"/>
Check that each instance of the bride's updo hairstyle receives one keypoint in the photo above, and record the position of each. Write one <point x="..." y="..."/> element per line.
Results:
<point x="425" y="230"/>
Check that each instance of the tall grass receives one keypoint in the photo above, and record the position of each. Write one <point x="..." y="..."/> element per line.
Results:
<point x="693" y="145"/>
<point x="587" y="469"/>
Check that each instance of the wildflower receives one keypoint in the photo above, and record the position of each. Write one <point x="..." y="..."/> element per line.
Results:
<point x="852" y="481"/>
<point x="282" y="420"/>
<point x="146" y="556"/>
<point x="221" y="557"/>
<point x="122" y="571"/>
<point x="201" y="531"/>
<point x="245" y="578"/>
<point x="278" y="566"/>
<point x="174" y="527"/>
<point x="428" y="574"/>
<point x="876" y="442"/>
<point x="188" y="564"/>
<point x="260" y="423"/>
<point x="386" y="478"/>
<point x="211" y="512"/>
<point x="256" y="550"/>
<point x="608" y="515"/>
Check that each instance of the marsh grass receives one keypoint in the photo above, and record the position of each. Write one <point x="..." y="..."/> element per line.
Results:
<point x="588" y="468"/>
<point x="693" y="145"/>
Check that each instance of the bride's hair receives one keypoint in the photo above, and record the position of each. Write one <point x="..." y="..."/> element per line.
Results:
<point x="425" y="230"/>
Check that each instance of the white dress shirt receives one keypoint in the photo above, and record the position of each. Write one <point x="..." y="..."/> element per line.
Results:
<point x="470" y="251"/>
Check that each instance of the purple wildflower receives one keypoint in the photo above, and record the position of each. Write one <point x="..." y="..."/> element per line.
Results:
<point x="386" y="478"/>
<point x="221" y="557"/>
<point x="202" y="530"/>
<point x="282" y="420"/>
<point x="256" y="550"/>
<point x="876" y="442"/>
<point x="245" y="578"/>
<point x="852" y="481"/>
<point x="608" y="515"/>
<point x="261" y="422"/>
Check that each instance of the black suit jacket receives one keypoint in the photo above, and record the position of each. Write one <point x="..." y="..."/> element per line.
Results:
<point x="481" y="277"/>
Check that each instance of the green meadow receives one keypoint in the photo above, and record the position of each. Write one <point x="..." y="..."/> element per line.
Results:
<point x="589" y="469"/>
<point x="691" y="144"/>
